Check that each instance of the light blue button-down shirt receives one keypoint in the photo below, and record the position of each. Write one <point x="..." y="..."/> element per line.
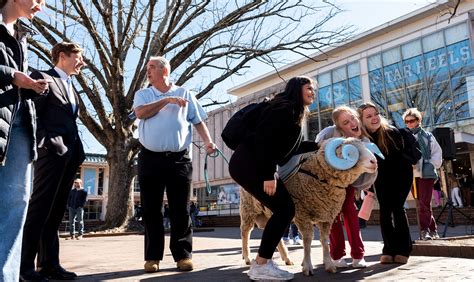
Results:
<point x="171" y="128"/>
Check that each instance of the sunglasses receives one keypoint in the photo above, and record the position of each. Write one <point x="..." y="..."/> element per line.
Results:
<point x="410" y="121"/>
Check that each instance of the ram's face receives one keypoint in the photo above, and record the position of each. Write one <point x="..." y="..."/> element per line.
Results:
<point x="344" y="154"/>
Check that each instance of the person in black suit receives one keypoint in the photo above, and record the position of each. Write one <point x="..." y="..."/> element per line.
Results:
<point x="60" y="153"/>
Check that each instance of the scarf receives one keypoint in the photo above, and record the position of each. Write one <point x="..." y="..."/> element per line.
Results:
<point x="425" y="148"/>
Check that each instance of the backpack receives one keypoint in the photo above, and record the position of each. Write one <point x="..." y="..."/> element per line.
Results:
<point x="242" y="124"/>
<point x="411" y="150"/>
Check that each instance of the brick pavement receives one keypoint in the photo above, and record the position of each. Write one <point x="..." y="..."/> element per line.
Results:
<point x="217" y="257"/>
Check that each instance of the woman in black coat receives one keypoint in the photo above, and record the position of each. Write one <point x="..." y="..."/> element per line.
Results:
<point x="253" y="165"/>
<point x="393" y="183"/>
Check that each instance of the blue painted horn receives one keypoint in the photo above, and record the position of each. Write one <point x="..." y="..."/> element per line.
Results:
<point x="350" y="154"/>
<point x="374" y="149"/>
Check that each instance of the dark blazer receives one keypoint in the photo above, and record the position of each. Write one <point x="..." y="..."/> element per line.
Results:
<point x="57" y="128"/>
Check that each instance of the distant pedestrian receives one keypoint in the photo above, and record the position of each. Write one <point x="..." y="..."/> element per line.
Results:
<point x="76" y="201"/>
<point x="166" y="217"/>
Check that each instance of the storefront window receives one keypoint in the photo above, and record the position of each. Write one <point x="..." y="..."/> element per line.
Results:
<point x="432" y="77"/>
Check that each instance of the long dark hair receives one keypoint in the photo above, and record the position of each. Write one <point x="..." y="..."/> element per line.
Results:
<point x="293" y="93"/>
<point x="2" y="3"/>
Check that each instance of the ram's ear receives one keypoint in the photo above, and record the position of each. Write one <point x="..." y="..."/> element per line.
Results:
<point x="350" y="154"/>
<point x="374" y="149"/>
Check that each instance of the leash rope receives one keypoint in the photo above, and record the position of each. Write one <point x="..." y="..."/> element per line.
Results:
<point x="206" y="175"/>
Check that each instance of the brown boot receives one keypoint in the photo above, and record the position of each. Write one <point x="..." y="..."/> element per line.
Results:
<point x="400" y="259"/>
<point x="152" y="266"/>
<point x="185" y="264"/>
<point x="385" y="259"/>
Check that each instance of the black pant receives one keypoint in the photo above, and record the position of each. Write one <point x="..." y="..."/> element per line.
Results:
<point x="173" y="172"/>
<point x="393" y="219"/>
<point x="242" y="168"/>
<point x="53" y="178"/>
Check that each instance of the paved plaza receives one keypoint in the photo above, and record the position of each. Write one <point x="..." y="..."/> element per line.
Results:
<point x="217" y="257"/>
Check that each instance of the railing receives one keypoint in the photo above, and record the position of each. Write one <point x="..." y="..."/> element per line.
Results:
<point x="220" y="210"/>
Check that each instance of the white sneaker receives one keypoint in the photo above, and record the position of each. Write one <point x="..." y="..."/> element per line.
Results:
<point x="268" y="271"/>
<point x="340" y="263"/>
<point x="297" y="241"/>
<point x="359" y="263"/>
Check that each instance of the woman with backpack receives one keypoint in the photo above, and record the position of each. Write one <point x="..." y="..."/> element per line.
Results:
<point x="253" y="165"/>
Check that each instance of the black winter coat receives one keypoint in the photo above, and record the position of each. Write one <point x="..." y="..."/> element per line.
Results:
<point x="277" y="137"/>
<point x="13" y="57"/>
<point x="395" y="171"/>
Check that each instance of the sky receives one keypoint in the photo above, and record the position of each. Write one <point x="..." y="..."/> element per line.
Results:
<point x="362" y="14"/>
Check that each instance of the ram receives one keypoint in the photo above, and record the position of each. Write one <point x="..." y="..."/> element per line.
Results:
<point x="318" y="190"/>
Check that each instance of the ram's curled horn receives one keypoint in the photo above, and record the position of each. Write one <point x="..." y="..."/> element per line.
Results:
<point x="374" y="149"/>
<point x="350" y="154"/>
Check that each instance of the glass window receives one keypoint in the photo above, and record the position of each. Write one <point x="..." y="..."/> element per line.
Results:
<point x="89" y="181"/>
<point x="339" y="74"/>
<point x="433" y="41"/>
<point x="411" y="49"/>
<point x="325" y="99"/>
<point x="313" y="126"/>
<point x="391" y="56"/>
<point x="456" y="33"/>
<point x="375" y="62"/>
<point x="340" y="93"/>
<point x="355" y="93"/>
<point x="324" y="79"/>
<point x="377" y="90"/>
<point x="353" y="69"/>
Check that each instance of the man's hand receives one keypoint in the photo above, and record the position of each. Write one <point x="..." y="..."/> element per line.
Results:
<point x="177" y="100"/>
<point x="269" y="187"/>
<point x="211" y="148"/>
<point x="22" y="80"/>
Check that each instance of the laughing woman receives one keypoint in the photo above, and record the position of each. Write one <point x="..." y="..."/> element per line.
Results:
<point x="393" y="183"/>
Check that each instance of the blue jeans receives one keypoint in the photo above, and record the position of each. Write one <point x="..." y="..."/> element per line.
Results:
<point x="15" y="186"/>
<point x="76" y="215"/>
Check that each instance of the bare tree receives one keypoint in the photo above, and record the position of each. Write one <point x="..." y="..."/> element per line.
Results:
<point x="205" y="41"/>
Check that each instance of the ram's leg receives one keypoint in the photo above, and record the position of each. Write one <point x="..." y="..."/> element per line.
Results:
<point x="283" y="250"/>
<point x="324" y="229"/>
<point x="306" y="229"/>
<point x="245" y="229"/>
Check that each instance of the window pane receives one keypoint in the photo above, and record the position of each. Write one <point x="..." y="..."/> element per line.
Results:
<point x="355" y="93"/>
<point x="313" y="127"/>
<point x="442" y="104"/>
<point x="416" y="93"/>
<point x="394" y="92"/>
<point x="433" y="41"/>
<point x="375" y="62"/>
<point x="325" y="99"/>
<point x="391" y="56"/>
<point x="411" y="49"/>
<point x="340" y="93"/>
<point x="353" y="69"/>
<point x="89" y="181"/>
<point x="339" y="74"/>
<point x="456" y="33"/>
<point x="324" y="79"/>
<point x="376" y="90"/>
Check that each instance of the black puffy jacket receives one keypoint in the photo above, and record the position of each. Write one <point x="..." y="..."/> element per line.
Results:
<point x="13" y="57"/>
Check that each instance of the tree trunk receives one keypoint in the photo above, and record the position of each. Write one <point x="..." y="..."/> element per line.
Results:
<point x="120" y="202"/>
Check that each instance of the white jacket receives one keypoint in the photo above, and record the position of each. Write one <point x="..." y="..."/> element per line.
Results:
<point x="436" y="154"/>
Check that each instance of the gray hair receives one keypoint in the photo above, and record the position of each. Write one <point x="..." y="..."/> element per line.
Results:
<point x="162" y="61"/>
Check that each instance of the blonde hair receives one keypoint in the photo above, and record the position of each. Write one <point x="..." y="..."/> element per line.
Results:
<point x="412" y="112"/>
<point x="336" y="113"/>
<point x="383" y="138"/>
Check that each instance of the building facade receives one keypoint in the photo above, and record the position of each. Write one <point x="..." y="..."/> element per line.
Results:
<point x="423" y="59"/>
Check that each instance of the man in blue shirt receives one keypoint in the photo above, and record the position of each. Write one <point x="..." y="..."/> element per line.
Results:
<point x="167" y="113"/>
